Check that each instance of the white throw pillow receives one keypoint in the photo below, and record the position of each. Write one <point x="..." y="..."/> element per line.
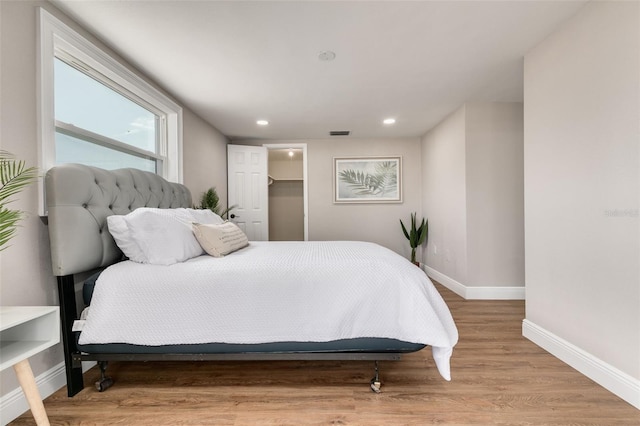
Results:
<point x="205" y="216"/>
<point x="220" y="240"/>
<point x="156" y="236"/>
<point x="120" y="232"/>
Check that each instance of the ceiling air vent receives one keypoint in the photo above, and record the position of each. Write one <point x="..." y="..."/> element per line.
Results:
<point x="339" y="132"/>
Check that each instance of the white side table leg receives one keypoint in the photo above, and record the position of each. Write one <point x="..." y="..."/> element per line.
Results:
<point x="30" y="389"/>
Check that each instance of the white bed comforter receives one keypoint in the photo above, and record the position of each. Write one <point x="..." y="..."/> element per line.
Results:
<point x="273" y="292"/>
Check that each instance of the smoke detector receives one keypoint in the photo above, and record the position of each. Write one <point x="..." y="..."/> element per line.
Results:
<point x="326" y="55"/>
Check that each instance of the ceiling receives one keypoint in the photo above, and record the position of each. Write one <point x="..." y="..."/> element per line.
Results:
<point x="235" y="62"/>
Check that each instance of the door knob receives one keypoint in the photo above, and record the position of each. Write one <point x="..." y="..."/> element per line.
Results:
<point x="233" y="216"/>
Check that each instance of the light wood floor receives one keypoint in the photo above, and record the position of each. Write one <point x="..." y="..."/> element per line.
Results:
<point x="498" y="378"/>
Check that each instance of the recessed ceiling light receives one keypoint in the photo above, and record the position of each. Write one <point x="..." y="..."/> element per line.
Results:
<point x="262" y="122"/>
<point x="290" y="153"/>
<point x="389" y="121"/>
<point x="326" y="55"/>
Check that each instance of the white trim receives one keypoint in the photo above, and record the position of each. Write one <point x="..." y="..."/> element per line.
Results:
<point x="14" y="404"/>
<point x="55" y="36"/>
<point x="495" y="293"/>
<point x="76" y="132"/>
<point x="305" y="179"/>
<point x="607" y="376"/>
<point x="446" y="281"/>
<point x="174" y="127"/>
<point x="475" y="293"/>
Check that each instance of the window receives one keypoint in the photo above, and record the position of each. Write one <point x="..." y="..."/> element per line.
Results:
<point x="98" y="126"/>
<point x="95" y="111"/>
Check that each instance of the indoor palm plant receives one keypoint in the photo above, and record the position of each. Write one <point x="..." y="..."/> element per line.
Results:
<point x="416" y="235"/>
<point x="210" y="200"/>
<point x="14" y="177"/>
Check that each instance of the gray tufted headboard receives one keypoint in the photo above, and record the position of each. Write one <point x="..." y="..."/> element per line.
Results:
<point x="79" y="199"/>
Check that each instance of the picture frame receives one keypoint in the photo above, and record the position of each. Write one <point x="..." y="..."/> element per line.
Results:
<point x="367" y="180"/>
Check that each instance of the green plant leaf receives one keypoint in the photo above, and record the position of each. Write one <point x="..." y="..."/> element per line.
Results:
<point x="14" y="177"/>
<point x="422" y="231"/>
<point x="404" y="230"/>
<point x="417" y="234"/>
<point x="8" y="225"/>
<point x="210" y="200"/>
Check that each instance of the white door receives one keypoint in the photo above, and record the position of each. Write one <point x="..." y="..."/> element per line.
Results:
<point x="248" y="190"/>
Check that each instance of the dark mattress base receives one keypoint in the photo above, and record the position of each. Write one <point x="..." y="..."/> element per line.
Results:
<point x="359" y="345"/>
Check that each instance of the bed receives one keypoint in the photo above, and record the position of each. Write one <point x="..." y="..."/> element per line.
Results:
<point x="320" y="300"/>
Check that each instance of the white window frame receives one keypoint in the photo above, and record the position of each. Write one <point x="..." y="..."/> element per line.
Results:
<point x="56" y="39"/>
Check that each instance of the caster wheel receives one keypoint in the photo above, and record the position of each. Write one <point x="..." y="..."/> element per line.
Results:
<point x="104" y="384"/>
<point x="375" y="386"/>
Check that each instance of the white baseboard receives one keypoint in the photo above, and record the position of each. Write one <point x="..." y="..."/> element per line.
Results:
<point x="607" y="376"/>
<point x="14" y="404"/>
<point x="475" y="293"/>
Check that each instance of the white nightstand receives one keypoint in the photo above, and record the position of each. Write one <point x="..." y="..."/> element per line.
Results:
<point x="25" y="331"/>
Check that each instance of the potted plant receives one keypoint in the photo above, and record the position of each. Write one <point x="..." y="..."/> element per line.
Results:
<point x="210" y="200"/>
<point x="416" y="235"/>
<point x="14" y="177"/>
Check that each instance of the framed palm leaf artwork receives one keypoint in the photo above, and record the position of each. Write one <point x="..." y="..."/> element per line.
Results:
<point x="367" y="179"/>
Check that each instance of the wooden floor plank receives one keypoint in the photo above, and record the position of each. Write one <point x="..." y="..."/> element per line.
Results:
<point x="499" y="378"/>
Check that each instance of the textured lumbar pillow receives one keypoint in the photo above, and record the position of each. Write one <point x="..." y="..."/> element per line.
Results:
<point x="219" y="240"/>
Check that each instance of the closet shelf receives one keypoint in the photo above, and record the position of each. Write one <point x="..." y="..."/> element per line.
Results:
<point x="273" y="179"/>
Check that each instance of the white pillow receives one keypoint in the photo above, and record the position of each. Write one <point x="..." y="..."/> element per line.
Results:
<point x="220" y="240"/>
<point x="120" y="232"/>
<point x="205" y="216"/>
<point x="156" y="236"/>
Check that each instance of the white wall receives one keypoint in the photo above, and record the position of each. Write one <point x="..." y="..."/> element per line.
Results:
<point x="582" y="133"/>
<point x="494" y="194"/>
<point x="444" y="196"/>
<point x="26" y="276"/>
<point x="204" y="158"/>
<point x="377" y="223"/>
<point x="25" y="267"/>
<point x="472" y="178"/>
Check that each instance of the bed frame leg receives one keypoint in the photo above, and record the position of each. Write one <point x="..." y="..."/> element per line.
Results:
<point x="68" y="314"/>
<point x="375" y="382"/>
<point x="105" y="382"/>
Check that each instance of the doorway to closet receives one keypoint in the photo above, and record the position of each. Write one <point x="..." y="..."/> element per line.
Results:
<point x="288" y="200"/>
